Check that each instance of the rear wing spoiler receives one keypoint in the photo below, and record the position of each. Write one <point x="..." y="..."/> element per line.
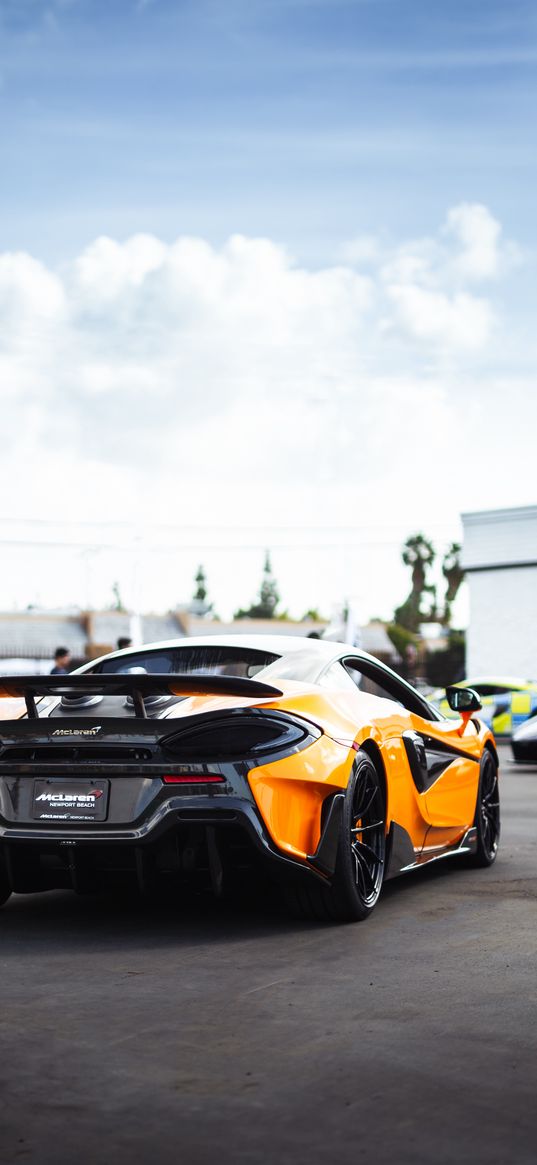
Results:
<point x="138" y="686"/>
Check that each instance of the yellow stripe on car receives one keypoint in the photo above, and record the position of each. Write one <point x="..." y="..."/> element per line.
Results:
<point x="521" y="704"/>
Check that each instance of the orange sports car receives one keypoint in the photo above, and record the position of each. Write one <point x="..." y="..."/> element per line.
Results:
<point x="200" y="763"/>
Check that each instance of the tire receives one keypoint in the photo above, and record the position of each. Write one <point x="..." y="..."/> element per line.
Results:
<point x="5" y="890"/>
<point x="487" y="813"/>
<point x="357" y="880"/>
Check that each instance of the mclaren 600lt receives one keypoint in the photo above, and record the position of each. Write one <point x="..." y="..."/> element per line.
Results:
<point x="200" y="763"/>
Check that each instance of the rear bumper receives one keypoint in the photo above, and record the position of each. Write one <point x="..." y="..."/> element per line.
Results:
<point x="267" y="815"/>
<point x="40" y="858"/>
<point x="176" y="810"/>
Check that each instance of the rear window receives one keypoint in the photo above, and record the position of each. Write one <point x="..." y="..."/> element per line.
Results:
<point x="202" y="660"/>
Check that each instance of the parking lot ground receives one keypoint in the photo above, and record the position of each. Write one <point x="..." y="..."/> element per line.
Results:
<point x="231" y="1034"/>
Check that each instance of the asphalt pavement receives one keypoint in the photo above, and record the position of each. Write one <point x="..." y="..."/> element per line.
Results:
<point x="231" y="1034"/>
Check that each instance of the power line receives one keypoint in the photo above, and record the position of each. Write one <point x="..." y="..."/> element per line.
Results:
<point x="135" y="527"/>
<point x="258" y="547"/>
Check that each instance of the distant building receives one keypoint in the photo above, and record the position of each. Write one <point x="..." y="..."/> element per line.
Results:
<point x="28" y="639"/>
<point x="500" y="560"/>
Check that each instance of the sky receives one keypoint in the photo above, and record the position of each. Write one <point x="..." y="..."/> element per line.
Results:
<point x="267" y="274"/>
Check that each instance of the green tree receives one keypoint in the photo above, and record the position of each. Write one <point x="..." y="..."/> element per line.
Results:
<point x="268" y="591"/>
<point x="265" y="607"/>
<point x="401" y="638"/>
<point x="418" y="553"/>
<point x="199" y="604"/>
<point x="454" y="575"/>
<point x="117" y="605"/>
<point x="200" y="594"/>
<point x="315" y="615"/>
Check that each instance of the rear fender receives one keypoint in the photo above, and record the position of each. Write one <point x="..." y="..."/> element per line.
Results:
<point x="290" y="793"/>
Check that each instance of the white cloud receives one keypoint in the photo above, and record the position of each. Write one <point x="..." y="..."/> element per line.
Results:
<point x="29" y="293"/>
<point x="461" y="321"/>
<point x="468" y="248"/>
<point x="477" y="235"/>
<point x="427" y="280"/>
<point x="107" y="269"/>
<point x="417" y="261"/>
<point x="139" y="341"/>
<point x="190" y="384"/>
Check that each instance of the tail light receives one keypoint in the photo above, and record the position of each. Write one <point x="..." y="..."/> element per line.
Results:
<point x="240" y="736"/>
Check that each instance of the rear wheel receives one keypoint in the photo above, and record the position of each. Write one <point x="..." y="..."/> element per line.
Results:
<point x="487" y="813"/>
<point x="357" y="880"/>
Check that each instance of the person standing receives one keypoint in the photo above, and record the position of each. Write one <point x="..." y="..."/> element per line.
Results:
<point x="62" y="659"/>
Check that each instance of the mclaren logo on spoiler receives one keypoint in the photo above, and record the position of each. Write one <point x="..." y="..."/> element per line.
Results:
<point x="77" y="731"/>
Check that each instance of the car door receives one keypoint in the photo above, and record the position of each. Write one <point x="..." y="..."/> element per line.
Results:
<point x="452" y="763"/>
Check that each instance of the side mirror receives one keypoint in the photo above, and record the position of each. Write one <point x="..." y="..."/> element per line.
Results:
<point x="463" y="700"/>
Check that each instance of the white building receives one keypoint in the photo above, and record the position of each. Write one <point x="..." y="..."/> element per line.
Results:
<point x="500" y="559"/>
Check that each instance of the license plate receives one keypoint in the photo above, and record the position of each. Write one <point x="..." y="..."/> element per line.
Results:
<point x="56" y="799"/>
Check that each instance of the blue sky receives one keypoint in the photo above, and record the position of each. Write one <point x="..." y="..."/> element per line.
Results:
<point x="270" y="263"/>
<point x="302" y="120"/>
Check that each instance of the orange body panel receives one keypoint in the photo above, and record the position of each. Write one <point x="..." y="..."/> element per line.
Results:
<point x="290" y="793"/>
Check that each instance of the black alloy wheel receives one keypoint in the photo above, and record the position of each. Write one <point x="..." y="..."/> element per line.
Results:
<point x="360" y="867"/>
<point x="487" y="813"/>
<point x="359" y="872"/>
